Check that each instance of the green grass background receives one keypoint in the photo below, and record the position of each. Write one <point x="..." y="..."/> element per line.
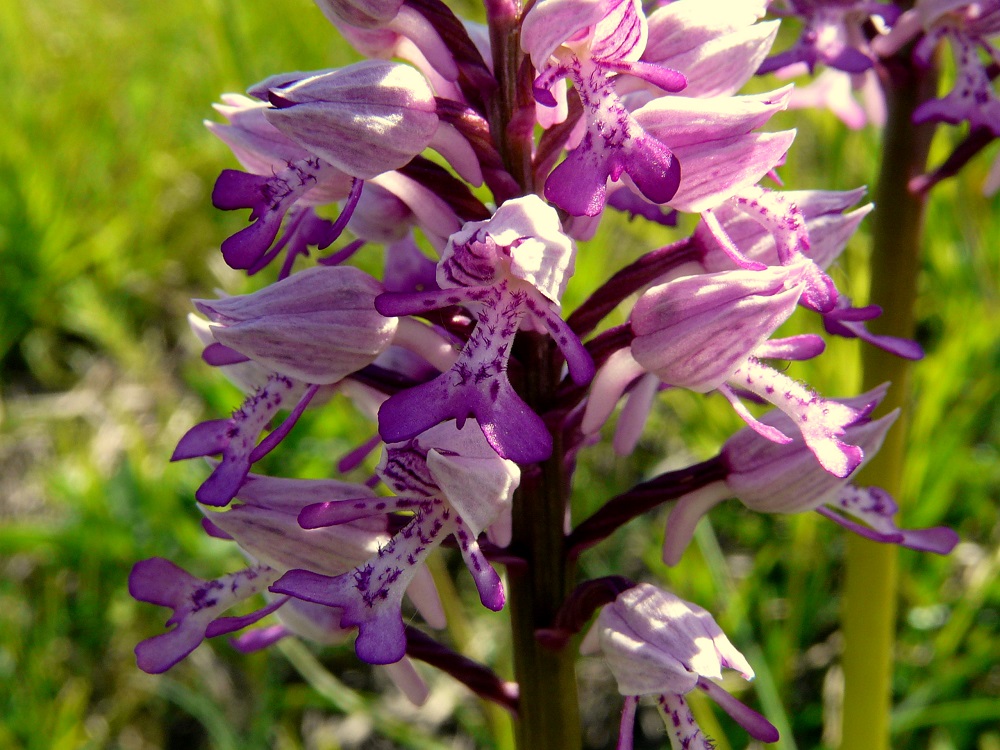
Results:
<point x="106" y="232"/>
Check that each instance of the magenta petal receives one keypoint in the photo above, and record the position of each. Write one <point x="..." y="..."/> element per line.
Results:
<point x="214" y="531"/>
<point x="159" y="581"/>
<point x="381" y="636"/>
<point x="223" y="625"/>
<point x="512" y="428"/>
<point x="224" y="482"/>
<point x="544" y="97"/>
<point x="392" y="304"/>
<point x="218" y="355"/>
<point x="259" y="638"/>
<point x="820" y="293"/>
<point x="204" y="439"/>
<point x="235" y="189"/>
<point x="509" y="424"/>
<point x="653" y="168"/>
<point x="626" y="728"/>
<point x="578" y="184"/>
<point x="756" y="725"/>
<point x="658" y="75"/>
<point x="158" y="654"/>
<point x="876" y="508"/>
<point x="491" y="592"/>
<point x="243" y="249"/>
<point x="793" y="348"/>
<point x="305" y="585"/>
<point x="335" y="512"/>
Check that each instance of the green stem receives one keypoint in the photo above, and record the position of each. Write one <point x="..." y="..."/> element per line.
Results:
<point x="512" y="133"/>
<point x="870" y="589"/>
<point x="549" y="714"/>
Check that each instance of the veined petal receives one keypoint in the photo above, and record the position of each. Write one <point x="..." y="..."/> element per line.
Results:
<point x="716" y="170"/>
<point x="683" y="25"/>
<point x="369" y="118"/>
<point x="316" y="326"/>
<point x="656" y="643"/>
<point x="696" y="331"/>
<point x="549" y="23"/>
<point x="277" y="539"/>
<point x="681" y="121"/>
<point x="479" y="488"/>
<point x="367" y="14"/>
<point x="772" y="478"/>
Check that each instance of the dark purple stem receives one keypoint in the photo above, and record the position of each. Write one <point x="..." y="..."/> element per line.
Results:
<point x="629" y="280"/>
<point x="479" y="678"/>
<point x="643" y="498"/>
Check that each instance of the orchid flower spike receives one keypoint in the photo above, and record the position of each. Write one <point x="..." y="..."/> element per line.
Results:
<point x="591" y="43"/>
<point x="657" y="644"/>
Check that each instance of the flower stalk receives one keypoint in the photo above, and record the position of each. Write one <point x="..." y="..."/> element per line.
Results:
<point x="549" y="717"/>
<point x="870" y="589"/>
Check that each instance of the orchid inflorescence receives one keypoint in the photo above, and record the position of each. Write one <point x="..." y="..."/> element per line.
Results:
<point x="484" y="389"/>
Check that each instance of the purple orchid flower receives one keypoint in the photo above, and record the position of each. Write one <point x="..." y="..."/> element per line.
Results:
<point x="592" y="43"/>
<point x="454" y="483"/>
<point x="315" y="327"/>
<point x="318" y="138"/>
<point x="265" y="525"/>
<point x="737" y="322"/>
<point x="709" y="332"/>
<point x="658" y="644"/>
<point x="236" y="438"/>
<point x="772" y="478"/>
<point x="759" y="228"/>
<point x="284" y="179"/>
<point x="832" y="35"/>
<point x="365" y="119"/>
<point x="196" y="606"/>
<point x="270" y="198"/>
<point x="716" y="138"/>
<point x="510" y="270"/>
